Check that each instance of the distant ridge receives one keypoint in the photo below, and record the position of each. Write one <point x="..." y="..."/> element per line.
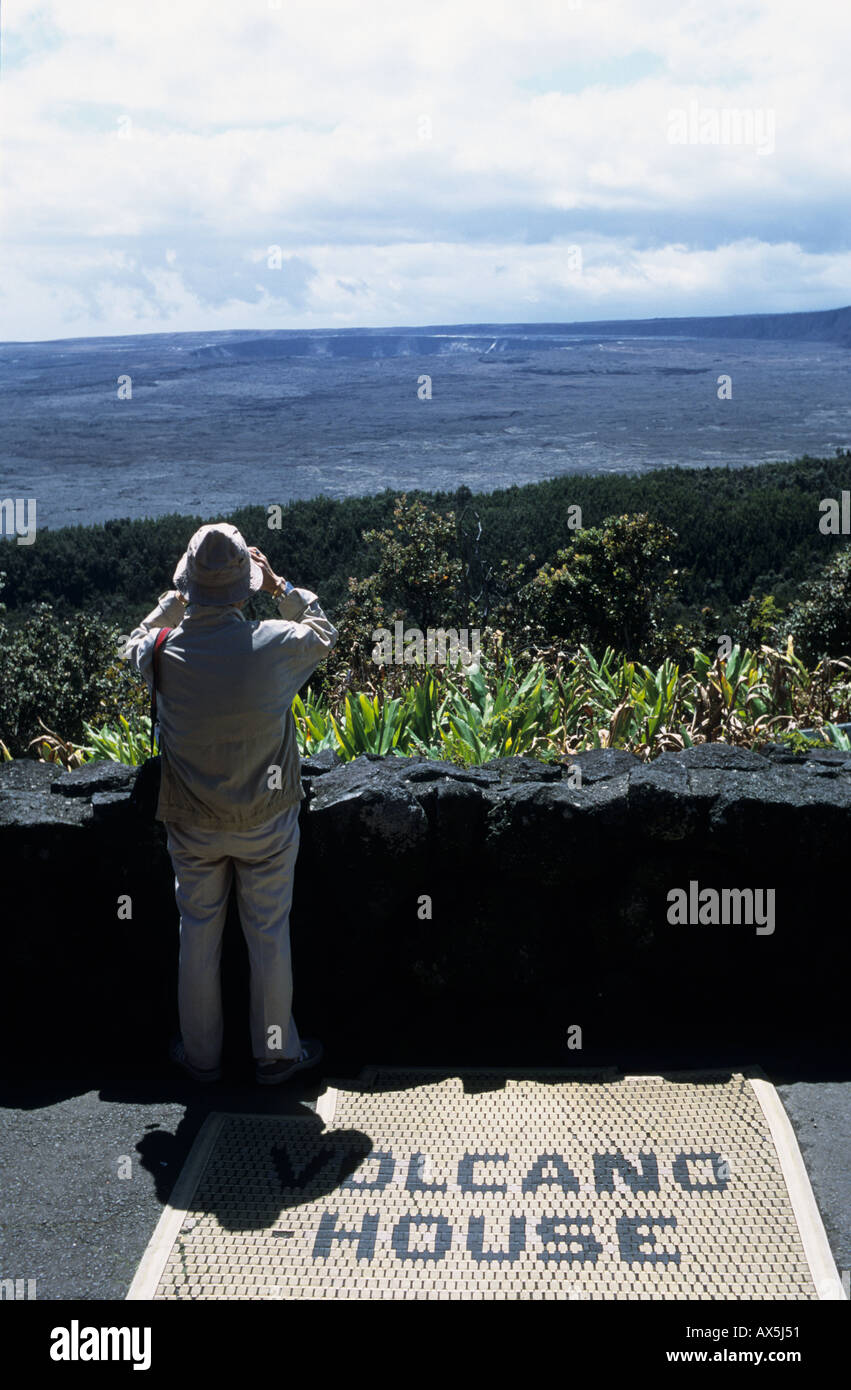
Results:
<point x="824" y="326"/>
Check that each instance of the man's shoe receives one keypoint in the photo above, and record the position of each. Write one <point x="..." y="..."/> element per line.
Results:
<point x="177" y="1053"/>
<point x="273" y="1073"/>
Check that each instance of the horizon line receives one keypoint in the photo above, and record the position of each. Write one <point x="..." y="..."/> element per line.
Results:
<point x="487" y="324"/>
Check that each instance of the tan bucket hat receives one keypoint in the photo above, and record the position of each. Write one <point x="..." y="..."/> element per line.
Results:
<point x="217" y="567"/>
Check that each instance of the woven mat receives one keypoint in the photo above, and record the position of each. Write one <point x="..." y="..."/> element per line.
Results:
<point x="483" y="1184"/>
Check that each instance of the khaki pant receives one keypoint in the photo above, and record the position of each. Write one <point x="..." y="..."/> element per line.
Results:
<point x="205" y="863"/>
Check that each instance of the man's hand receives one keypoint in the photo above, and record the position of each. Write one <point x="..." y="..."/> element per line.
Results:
<point x="271" y="580"/>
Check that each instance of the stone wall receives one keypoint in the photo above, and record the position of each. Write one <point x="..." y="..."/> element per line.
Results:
<point x="549" y="909"/>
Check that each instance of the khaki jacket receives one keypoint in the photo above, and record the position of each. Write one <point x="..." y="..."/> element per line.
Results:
<point x="230" y="759"/>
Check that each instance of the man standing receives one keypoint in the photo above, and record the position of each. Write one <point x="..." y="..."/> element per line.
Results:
<point x="231" y="785"/>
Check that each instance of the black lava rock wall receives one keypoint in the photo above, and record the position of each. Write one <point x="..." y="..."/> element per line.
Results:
<point x="448" y="915"/>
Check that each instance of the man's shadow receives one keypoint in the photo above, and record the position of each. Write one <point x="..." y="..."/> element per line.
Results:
<point x="257" y="1167"/>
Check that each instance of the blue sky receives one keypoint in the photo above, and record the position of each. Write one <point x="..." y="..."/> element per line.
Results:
<point x="200" y="165"/>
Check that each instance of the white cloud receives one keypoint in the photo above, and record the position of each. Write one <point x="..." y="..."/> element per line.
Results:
<point x="208" y="131"/>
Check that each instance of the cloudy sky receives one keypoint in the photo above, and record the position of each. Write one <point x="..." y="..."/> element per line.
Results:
<point x="218" y="164"/>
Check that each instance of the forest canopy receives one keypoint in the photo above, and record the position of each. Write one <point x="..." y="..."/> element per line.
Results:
<point x="670" y="569"/>
<point x="737" y="532"/>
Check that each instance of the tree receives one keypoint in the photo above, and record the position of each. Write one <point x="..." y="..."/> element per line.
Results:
<point x="611" y="587"/>
<point x="416" y="570"/>
<point x="757" y="622"/>
<point x="62" y="673"/>
<point x="819" y="621"/>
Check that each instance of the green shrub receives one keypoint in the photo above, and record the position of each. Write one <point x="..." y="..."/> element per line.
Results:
<point x="819" y="621"/>
<point x="61" y="673"/>
<point x="129" y="743"/>
<point x="612" y="587"/>
<point x="553" y="709"/>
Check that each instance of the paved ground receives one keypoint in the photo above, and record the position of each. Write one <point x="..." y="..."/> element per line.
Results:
<point x="71" y="1221"/>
